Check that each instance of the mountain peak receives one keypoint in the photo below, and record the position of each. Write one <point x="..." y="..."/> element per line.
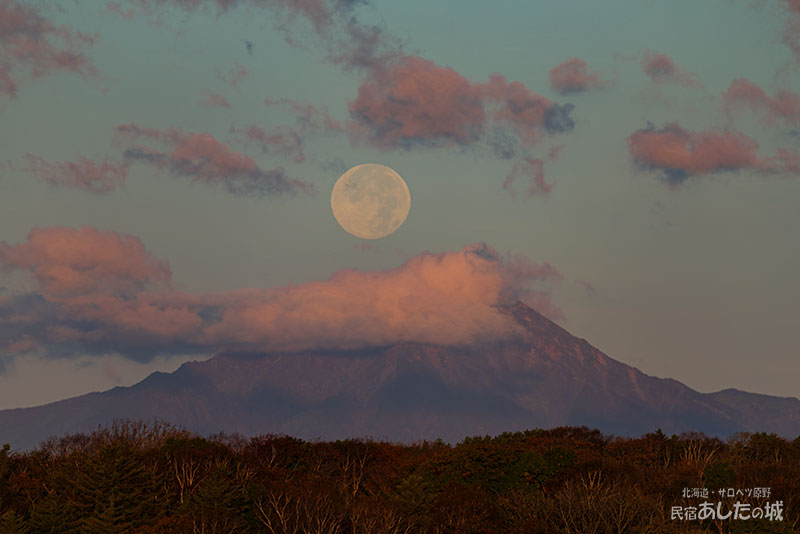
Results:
<point x="544" y="377"/>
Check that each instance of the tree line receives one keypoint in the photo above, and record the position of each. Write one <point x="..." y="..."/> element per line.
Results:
<point x="154" y="478"/>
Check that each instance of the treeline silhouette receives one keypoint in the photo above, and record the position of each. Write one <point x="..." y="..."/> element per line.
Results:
<point x="147" y="478"/>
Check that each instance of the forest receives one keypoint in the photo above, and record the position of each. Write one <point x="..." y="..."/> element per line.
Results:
<point x="152" y="477"/>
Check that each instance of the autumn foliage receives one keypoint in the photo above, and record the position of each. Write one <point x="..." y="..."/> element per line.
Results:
<point x="133" y="477"/>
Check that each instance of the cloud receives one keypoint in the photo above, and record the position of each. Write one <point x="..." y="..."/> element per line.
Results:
<point x="84" y="174"/>
<point x="203" y="158"/>
<point x="364" y="48"/>
<point x="784" y="106"/>
<point x="215" y="100"/>
<point x="679" y="154"/>
<point x="32" y="46"/>
<point x="333" y="24"/>
<point x="66" y="262"/>
<point x="235" y="75"/>
<point x="289" y="140"/>
<point x="8" y="86"/>
<point x="533" y="170"/>
<point x="662" y="69"/>
<point x="414" y="102"/>
<point x="116" y="9"/>
<point x="791" y="32"/>
<point x="571" y="76"/>
<point x="403" y="101"/>
<point x="101" y="292"/>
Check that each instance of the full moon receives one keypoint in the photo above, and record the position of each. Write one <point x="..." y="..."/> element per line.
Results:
<point x="370" y="201"/>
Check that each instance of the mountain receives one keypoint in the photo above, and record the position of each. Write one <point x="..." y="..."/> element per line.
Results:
<point x="408" y="392"/>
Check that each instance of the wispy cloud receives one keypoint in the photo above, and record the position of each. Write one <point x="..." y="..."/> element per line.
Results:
<point x="85" y="174"/>
<point x="31" y="46"/>
<point x="784" y="106"/>
<point x="572" y="76"/>
<point x="201" y="157"/>
<point x="215" y="100"/>
<point x="662" y="69"/>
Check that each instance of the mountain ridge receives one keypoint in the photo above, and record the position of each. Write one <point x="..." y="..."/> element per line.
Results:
<point x="543" y="377"/>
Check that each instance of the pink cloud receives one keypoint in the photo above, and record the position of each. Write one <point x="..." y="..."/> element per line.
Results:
<point x="104" y="293"/>
<point x="235" y="75"/>
<point x="533" y="170"/>
<point x="30" y="44"/>
<point x="289" y="140"/>
<point x="742" y="93"/>
<point x="22" y="345"/>
<point x="662" y="69"/>
<point x="215" y="100"/>
<point x="203" y="158"/>
<point x="7" y="85"/>
<point x="791" y="32"/>
<point x="67" y="263"/>
<point x="415" y="102"/>
<point x="678" y="153"/>
<point x="571" y="76"/>
<point x="84" y="174"/>
<point x="116" y="9"/>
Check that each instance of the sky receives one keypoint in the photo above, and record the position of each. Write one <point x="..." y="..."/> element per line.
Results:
<point x="629" y="169"/>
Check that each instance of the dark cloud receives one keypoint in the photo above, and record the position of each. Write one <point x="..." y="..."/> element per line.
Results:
<point x="503" y="143"/>
<point x="557" y="118"/>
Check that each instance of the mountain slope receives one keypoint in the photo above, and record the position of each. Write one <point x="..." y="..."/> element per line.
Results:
<point x="407" y="392"/>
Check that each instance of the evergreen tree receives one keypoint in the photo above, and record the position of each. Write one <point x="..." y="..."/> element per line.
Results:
<point x="219" y="505"/>
<point x="11" y="523"/>
<point x="117" y="493"/>
<point x="55" y="514"/>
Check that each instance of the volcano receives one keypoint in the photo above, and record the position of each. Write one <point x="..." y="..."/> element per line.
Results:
<point x="410" y="392"/>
